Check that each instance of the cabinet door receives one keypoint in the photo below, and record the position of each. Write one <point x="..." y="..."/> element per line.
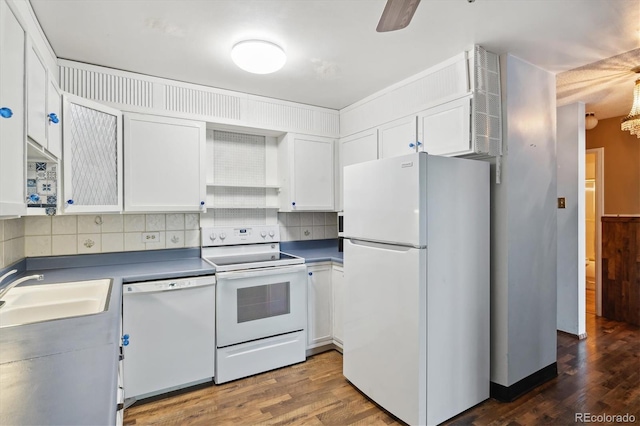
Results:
<point x="398" y="137"/>
<point x="354" y="149"/>
<point x="36" y="98"/>
<point x="54" y="130"/>
<point x="92" y="156"/>
<point x="337" y="285"/>
<point x="319" y="316"/>
<point x="312" y="173"/>
<point x="164" y="164"/>
<point x="446" y="129"/>
<point x="12" y="117"/>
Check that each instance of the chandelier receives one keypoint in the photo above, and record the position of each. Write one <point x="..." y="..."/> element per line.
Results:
<point x="632" y="121"/>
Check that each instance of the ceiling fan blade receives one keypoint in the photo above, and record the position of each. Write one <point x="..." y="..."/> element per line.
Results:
<point x="396" y="15"/>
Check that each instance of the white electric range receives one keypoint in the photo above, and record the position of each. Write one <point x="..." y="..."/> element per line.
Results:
<point x="261" y="300"/>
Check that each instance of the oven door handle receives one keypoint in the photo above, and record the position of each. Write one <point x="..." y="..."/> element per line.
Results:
<point x="276" y="270"/>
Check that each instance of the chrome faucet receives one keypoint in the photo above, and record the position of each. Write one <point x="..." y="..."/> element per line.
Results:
<point x="11" y="272"/>
<point x="11" y="285"/>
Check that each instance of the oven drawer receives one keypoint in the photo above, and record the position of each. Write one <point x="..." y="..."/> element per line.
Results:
<point x="254" y="304"/>
<point x="235" y="362"/>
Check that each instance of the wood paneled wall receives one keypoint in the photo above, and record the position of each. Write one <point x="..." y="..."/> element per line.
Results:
<point x="621" y="269"/>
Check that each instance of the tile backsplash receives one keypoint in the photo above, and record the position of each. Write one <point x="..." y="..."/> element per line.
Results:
<point x="42" y="184"/>
<point x="308" y="226"/>
<point x="11" y="241"/>
<point x="105" y="233"/>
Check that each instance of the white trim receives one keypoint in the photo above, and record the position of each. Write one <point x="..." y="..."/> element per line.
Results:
<point x="172" y="98"/>
<point x="460" y="56"/>
<point x="186" y="85"/>
<point x="599" y="152"/>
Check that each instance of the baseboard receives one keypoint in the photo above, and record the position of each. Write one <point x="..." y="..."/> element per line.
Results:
<point x="516" y="390"/>
<point x="581" y="336"/>
<point x="324" y="348"/>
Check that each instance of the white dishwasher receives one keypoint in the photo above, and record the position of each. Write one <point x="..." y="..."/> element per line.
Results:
<point x="168" y="335"/>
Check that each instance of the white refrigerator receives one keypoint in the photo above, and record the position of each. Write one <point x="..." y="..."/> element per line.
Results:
<point x="416" y="268"/>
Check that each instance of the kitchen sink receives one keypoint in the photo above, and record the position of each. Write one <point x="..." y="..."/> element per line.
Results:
<point x="45" y="302"/>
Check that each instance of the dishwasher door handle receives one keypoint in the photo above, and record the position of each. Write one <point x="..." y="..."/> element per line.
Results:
<point x="160" y="287"/>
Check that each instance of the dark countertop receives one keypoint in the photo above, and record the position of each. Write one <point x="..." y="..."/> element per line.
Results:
<point x="64" y="371"/>
<point x="314" y="250"/>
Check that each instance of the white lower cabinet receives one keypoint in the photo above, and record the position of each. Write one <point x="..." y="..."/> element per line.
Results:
<point x="164" y="164"/>
<point x="319" y="313"/>
<point x="337" y="286"/>
<point x="120" y="388"/>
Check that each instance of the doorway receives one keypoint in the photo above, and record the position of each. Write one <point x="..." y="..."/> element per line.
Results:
<point x="594" y="208"/>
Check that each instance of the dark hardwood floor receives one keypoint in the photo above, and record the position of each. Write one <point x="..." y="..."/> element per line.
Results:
<point x="599" y="375"/>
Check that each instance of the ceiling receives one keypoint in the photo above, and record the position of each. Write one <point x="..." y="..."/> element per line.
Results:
<point x="335" y="56"/>
<point x="606" y="86"/>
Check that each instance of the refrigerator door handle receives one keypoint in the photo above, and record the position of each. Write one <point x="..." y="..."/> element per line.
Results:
<point x="385" y="245"/>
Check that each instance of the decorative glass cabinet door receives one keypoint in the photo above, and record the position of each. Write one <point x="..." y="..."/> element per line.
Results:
<point x="92" y="157"/>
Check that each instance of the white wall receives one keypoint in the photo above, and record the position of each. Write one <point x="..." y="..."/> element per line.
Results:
<point x="524" y="228"/>
<point x="571" y="220"/>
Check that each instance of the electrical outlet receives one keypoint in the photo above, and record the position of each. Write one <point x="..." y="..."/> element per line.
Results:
<point x="150" y="237"/>
<point x="561" y="203"/>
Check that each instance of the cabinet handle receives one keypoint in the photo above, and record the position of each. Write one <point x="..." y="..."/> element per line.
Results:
<point x="310" y="273"/>
<point x="412" y="145"/>
<point x="293" y="203"/>
<point x="69" y="201"/>
<point x="53" y="118"/>
<point x="6" y="112"/>
<point x="418" y="143"/>
<point x="202" y="203"/>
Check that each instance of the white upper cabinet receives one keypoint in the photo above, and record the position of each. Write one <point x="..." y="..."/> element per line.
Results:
<point x="92" y="157"/>
<point x="164" y="164"/>
<point x="357" y="148"/>
<point x="306" y="173"/>
<point x="446" y="129"/>
<point x="12" y="115"/>
<point x="398" y="137"/>
<point x="54" y="119"/>
<point x="36" y="97"/>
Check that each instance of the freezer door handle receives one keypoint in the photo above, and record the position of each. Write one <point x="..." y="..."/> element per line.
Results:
<point x="385" y="245"/>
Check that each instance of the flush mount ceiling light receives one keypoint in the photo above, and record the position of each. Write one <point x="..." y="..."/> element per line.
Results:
<point x="258" y="56"/>
<point x="632" y="121"/>
<point x="590" y="120"/>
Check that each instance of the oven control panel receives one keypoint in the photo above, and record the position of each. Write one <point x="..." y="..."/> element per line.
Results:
<point x="234" y="235"/>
